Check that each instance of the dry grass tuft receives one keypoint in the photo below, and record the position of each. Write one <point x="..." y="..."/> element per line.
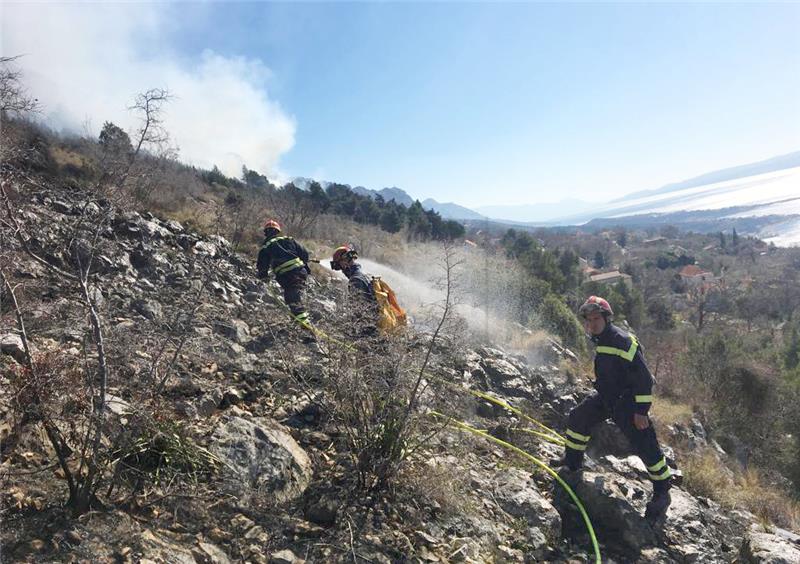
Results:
<point x="705" y="475"/>
<point x="669" y="412"/>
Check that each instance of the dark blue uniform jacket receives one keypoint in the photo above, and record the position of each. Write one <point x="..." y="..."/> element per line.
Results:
<point x="620" y="370"/>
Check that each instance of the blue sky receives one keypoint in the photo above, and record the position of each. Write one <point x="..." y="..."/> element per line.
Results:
<point x="496" y="103"/>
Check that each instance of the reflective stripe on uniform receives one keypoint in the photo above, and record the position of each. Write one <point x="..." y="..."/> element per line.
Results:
<point x="275" y="240"/>
<point x="627" y="355"/>
<point x="663" y="476"/>
<point x="574" y="446"/>
<point x="288" y="265"/>
<point x="574" y="435"/>
<point x="643" y="399"/>
<point x="653" y="471"/>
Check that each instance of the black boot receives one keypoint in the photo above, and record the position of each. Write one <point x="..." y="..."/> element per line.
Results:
<point x="659" y="503"/>
<point x="572" y="477"/>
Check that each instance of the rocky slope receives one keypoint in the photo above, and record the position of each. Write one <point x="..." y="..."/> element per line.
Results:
<point x="196" y="346"/>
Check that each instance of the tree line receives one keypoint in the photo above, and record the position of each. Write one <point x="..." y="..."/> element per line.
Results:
<point x="339" y="199"/>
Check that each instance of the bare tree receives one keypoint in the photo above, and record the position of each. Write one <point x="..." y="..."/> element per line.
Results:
<point x="151" y="133"/>
<point x="295" y="208"/>
<point x="123" y="156"/>
<point x="14" y="98"/>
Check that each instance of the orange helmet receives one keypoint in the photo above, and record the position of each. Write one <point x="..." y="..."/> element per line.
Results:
<point x="595" y="303"/>
<point x="272" y="224"/>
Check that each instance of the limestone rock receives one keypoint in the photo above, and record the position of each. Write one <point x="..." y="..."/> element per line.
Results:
<point x="261" y="458"/>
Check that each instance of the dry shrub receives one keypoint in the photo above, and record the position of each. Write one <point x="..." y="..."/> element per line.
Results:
<point x="66" y="157"/>
<point x="669" y="412"/>
<point x="767" y="500"/>
<point x="380" y="386"/>
<point x="443" y="483"/>
<point x="706" y="475"/>
<point x="49" y="391"/>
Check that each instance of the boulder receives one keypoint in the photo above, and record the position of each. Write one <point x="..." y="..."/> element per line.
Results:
<point x="761" y="547"/>
<point x="517" y="495"/>
<point x="11" y="345"/>
<point x="261" y="458"/>
<point x="235" y="329"/>
<point x="205" y="248"/>
<point x="609" y="501"/>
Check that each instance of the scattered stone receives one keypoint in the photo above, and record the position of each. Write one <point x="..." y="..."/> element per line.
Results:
<point x="232" y="396"/>
<point x="506" y="554"/>
<point x="61" y="207"/>
<point x="173" y="226"/>
<point x="235" y="329"/>
<point x="149" y="309"/>
<point x="257" y="534"/>
<point x="241" y="522"/>
<point x="37" y="545"/>
<point x="322" y="511"/>
<point x="207" y="553"/>
<point x="205" y="248"/>
<point x="285" y="557"/>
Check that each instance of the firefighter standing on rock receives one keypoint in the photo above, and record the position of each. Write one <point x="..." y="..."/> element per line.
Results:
<point x="624" y="393"/>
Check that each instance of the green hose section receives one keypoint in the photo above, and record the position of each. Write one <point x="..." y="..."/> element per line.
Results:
<point x="465" y="427"/>
<point x="551" y="435"/>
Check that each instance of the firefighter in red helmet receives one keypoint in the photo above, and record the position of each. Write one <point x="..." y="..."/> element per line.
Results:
<point x="623" y="393"/>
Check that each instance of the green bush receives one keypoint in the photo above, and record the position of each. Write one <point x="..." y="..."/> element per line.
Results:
<point x="558" y="318"/>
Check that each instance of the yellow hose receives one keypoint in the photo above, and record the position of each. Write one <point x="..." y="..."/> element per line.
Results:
<point x="552" y="435"/>
<point x="465" y="427"/>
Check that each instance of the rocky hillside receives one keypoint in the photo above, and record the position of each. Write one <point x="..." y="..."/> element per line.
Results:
<point x="219" y="440"/>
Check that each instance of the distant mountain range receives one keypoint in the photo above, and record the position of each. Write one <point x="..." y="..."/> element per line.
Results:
<point x="782" y="162"/>
<point x="446" y="210"/>
<point x="536" y="213"/>
<point x="761" y="198"/>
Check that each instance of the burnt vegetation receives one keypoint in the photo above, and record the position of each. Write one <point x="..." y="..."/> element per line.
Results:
<point x="145" y="370"/>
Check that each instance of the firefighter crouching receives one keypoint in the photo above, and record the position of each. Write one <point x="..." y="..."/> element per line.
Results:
<point x="372" y="301"/>
<point x="623" y="386"/>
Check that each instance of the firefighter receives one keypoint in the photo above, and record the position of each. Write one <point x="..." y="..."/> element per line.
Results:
<point x="344" y="259"/>
<point x="363" y="302"/>
<point x="623" y="387"/>
<point x="288" y="260"/>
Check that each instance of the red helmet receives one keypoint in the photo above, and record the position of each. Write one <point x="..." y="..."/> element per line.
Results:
<point x="341" y="253"/>
<point x="595" y="303"/>
<point x="272" y="224"/>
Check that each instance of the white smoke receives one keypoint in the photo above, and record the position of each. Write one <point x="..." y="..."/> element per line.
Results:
<point x="417" y="295"/>
<point x="86" y="63"/>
